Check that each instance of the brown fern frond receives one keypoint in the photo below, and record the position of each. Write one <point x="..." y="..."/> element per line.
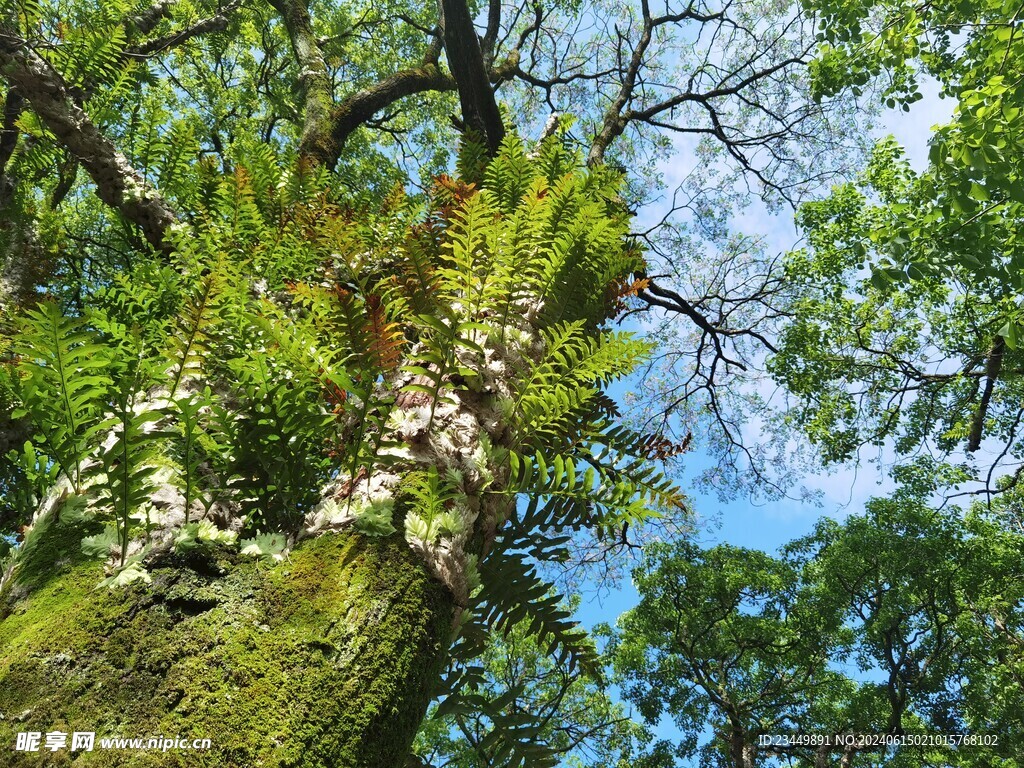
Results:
<point x="621" y="289"/>
<point x="418" y="281"/>
<point x="385" y="338"/>
<point x="448" y="195"/>
<point x="659" y="447"/>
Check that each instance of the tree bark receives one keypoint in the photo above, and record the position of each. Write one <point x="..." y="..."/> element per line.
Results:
<point x="465" y="59"/>
<point x="117" y="184"/>
<point x="326" y="660"/>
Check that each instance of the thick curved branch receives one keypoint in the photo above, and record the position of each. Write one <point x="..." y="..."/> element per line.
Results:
<point x="314" y="80"/>
<point x="360" y="107"/>
<point x="327" y="125"/>
<point x="117" y="184"/>
<point x="466" y="61"/>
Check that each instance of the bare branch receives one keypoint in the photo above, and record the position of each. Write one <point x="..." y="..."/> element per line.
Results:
<point x="673" y="301"/>
<point x="614" y="124"/>
<point x="493" y="26"/>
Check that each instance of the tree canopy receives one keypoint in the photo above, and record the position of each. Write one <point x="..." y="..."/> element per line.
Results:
<point x="310" y="315"/>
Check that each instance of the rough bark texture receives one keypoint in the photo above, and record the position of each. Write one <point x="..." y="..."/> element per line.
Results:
<point x="479" y="108"/>
<point x="313" y="79"/>
<point x="117" y="183"/>
<point x="325" y="660"/>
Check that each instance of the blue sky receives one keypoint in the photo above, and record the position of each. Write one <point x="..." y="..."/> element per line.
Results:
<point x="772" y="524"/>
<point x="769" y="525"/>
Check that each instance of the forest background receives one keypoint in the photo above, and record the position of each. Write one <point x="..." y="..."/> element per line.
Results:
<point x="341" y="341"/>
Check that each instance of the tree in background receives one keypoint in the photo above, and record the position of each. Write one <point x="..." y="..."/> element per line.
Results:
<point x="723" y="645"/>
<point x="904" y="622"/>
<point x="563" y="715"/>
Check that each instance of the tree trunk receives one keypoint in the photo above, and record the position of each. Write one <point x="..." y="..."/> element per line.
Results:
<point x="325" y="660"/>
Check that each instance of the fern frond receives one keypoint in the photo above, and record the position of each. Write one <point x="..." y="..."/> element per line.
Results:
<point x="90" y="53"/>
<point x="563" y="382"/>
<point x="473" y="157"/>
<point x="66" y="384"/>
<point x="386" y="338"/>
<point x="193" y="333"/>
<point x="130" y="460"/>
<point x="510" y="174"/>
<point x="647" y="446"/>
<point x="419" y="258"/>
<point x="466" y="260"/>
<point x="301" y="348"/>
<point x="512" y="593"/>
<point x="430" y="513"/>
<point x="603" y="495"/>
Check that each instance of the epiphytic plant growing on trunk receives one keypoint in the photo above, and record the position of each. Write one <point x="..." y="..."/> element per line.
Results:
<point x="423" y="382"/>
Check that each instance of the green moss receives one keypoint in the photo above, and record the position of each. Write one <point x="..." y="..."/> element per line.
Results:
<point x="326" y="660"/>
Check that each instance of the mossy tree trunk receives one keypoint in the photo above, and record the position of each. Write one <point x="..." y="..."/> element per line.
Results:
<point x="326" y="660"/>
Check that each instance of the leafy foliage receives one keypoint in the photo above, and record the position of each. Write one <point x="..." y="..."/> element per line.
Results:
<point x="455" y="347"/>
<point x="895" y="621"/>
<point x="925" y="351"/>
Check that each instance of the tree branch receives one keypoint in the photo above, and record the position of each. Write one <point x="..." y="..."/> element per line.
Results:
<point x="491" y="36"/>
<point x="992" y="369"/>
<point x="358" y="108"/>
<point x="465" y="59"/>
<point x="614" y="123"/>
<point x="13" y="105"/>
<point x="327" y="125"/>
<point x="314" y="80"/>
<point x="217" y="23"/>
<point x="146" y="22"/>
<point x="117" y="184"/>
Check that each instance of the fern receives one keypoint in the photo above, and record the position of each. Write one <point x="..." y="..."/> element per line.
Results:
<point x="510" y="174"/>
<point x="190" y="339"/>
<point x="562" y="382"/>
<point x="131" y="458"/>
<point x="505" y="279"/>
<point x="418" y="283"/>
<point x="430" y="513"/>
<point x="473" y="157"/>
<point x="463" y="276"/>
<point x="173" y="166"/>
<point x="438" y="360"/>
<point x="34" y="474"/>
<point x="92" y="52"/>
<point x="66" y="385"/>
<point x="192" y="453"/>
<point x="512" y="593"/>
